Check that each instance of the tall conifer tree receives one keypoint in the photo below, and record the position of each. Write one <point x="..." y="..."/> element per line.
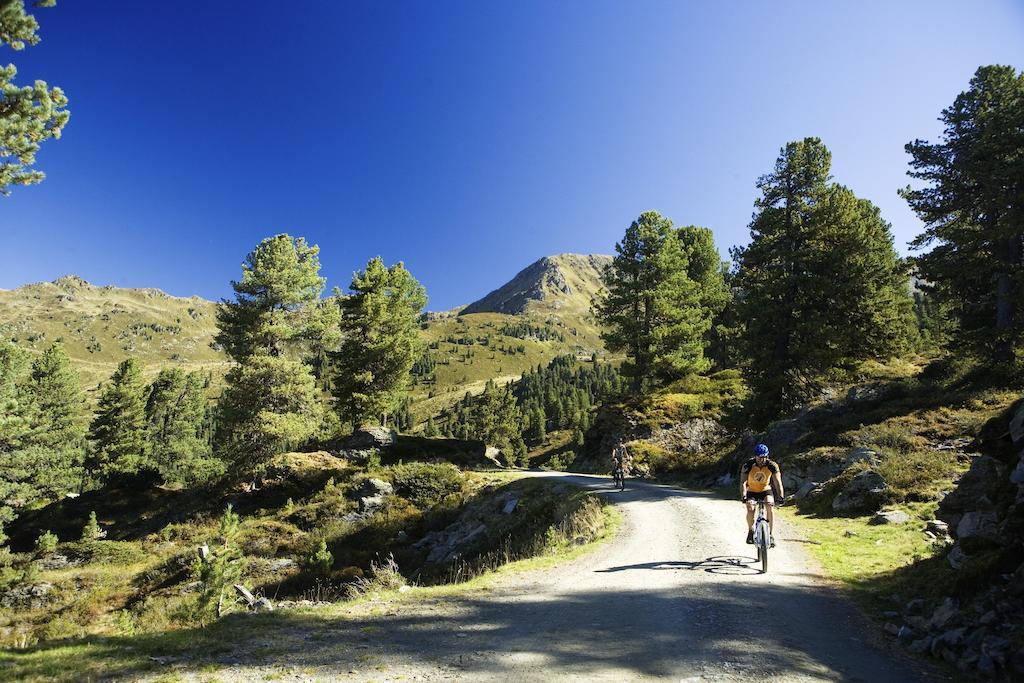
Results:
<point x="379" y="325"/>
<point x="651" y="308"/>
<point x="271" y="400"/>
<point x="820" y="284"/>
<point x="972" y="204"/>
<point x="118" y="431"/>
<point x="175" y="416"/>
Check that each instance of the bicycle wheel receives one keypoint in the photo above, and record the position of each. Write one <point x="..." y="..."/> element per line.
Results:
<point x="763" y="552"/>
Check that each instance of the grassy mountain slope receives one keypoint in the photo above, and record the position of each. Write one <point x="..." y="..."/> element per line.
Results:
<point x="548" y="315"/>
<point x="101" y="326"/>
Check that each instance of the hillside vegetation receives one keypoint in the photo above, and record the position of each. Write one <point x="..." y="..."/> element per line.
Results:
<point x="101" y="326"/>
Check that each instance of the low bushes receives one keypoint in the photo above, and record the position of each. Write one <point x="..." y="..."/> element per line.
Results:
<point x="424" y="484"/>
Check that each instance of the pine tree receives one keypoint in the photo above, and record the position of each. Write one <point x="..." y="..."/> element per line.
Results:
<point x="972" y="204"/>
<point x="271" y="404"/>
<point x="221" y="567"/>
<point x="58" y="425"/>
<point x="651" y="308"/>
<point x="271" y="399"/>
<point x="380" y="342"/>
<point x="118" y="431"/>
<point x="29" y="114"/>
<point x="820" y="284"/>
<point x="277" y="306"/>
<point x="175" y="417"/>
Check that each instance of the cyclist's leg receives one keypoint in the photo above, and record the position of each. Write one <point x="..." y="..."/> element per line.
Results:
<point x="769" y="507"/>
<point x="751" y="505"/>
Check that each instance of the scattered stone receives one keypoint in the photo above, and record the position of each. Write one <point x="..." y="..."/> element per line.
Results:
<point x="956" y="557"/>
<point x="890" y="614"/>
<point x="949" y="655"/>
<point x="54" y="561"/>
<point x="193" y="587"/>
<point x="921" y="645"/>
<point x="953" y="636"/>
<point x="914" y="606"/>
<point x="864" y="492"/>
<point x="861" y="455"/>
<point x="263" y="605"/>
<point x="280" y="563"/>
<point x="404" y="589"/>
<point x="890" y="517"/>
<point x="510" y="506"/>
<point x="943" y="614"/>
<point x="31" y="596"/>
<point x="937" y="527"/>
<point x="988" y="618"/>
<point x="850" y="534"/>
<point x="805" y="490"/>
<point x="892" y="628"/>
<point x="986" y="665"/>
<point x="906" y="634"/>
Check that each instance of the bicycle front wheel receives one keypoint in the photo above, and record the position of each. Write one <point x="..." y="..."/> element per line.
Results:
<point x="763" y="552"/>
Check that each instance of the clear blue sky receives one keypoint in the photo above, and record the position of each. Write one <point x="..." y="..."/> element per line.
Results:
<point x="466" y="138"/>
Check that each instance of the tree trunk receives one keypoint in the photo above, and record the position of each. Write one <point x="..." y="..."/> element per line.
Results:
<point x="1009" y="256"/>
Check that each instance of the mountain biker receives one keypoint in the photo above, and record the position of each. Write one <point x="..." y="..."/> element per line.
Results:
<point x="758" y="476"/>
<point x="620" y="460"/>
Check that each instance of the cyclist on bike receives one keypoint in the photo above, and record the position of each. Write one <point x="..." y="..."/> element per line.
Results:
<point x="758" y="476"/>
<point x="620" y="461"/>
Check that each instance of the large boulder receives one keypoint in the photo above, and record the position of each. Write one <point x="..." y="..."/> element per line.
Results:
<point x="865" y="493"/>
<point x="371" y="438"/>
<point x="975" y="491"/>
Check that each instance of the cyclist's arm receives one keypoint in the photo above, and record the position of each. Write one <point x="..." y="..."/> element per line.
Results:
<point x="777" y="483"/>
<point x="743" y="481"/>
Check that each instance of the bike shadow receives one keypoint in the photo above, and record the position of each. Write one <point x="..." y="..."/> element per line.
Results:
<point x="720" y="564"/>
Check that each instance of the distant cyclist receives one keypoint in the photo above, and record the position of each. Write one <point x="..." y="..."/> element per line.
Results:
<point x="758" y="476"/>
<point x="620" y="462"/>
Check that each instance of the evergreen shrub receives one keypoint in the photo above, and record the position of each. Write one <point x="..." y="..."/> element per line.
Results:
<point x="425" y="484"/>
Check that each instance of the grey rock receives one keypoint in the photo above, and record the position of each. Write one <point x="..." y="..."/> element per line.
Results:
<point x="280" y="563"/>
<point x="53" y="561"/>
<point x="988" y="618"/>
<point x="371" y="437"/>
<point x="914" y="606"/>
<point x="986" y="665"/>
<point x="1017" y="425"/>
<point x="864" y="492"/>
<point x="1017" y="476"/>
<point x="371" y="504"/>
<point x="890" y="517"/>
<point x="263" y="605"/>
<point x="943" y="614"/>
<point x="891" y="628"/>
<point x="921" y="645"/>
<point x="510" y="506"/>
<point x="806" y="490"/>
<point x="974" y="489"/>
<point x="995" y="644"/>
<point x="977" y="524"/>
<point x="861" y="455"/>
<point x="956" y="557"/>
<point x="906" y="634"/>
<point x="376" y="487"/>
<point x="950" y="655"/>
<point x="937" y="527"/>
<point x="953" y="636"/>
<point x="31" y="596"/>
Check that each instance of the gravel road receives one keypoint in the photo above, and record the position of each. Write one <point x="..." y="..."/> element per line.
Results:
<point x="676" y="596"/>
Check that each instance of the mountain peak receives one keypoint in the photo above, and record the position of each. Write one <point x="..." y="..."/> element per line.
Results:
<point x="561" y="281"/>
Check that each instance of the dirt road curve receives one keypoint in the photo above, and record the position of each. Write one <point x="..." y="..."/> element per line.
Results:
<point x="675" y="597"/>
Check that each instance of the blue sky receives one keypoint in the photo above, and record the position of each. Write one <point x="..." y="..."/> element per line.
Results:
<point x="467" y="139"/>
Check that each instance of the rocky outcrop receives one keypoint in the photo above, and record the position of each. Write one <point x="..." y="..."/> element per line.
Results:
<point x="864" y="494"/>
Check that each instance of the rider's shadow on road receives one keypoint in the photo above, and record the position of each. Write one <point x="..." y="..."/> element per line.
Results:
<point x="722" y="564"/>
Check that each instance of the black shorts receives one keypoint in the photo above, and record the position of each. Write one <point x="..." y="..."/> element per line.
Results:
<point x="762" y="495"/>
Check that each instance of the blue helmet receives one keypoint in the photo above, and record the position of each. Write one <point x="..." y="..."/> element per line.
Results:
<point x="761" y="451"/>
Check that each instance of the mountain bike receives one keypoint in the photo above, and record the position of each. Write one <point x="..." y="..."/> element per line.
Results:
<point x="619" y="478"/>
<point x="762" y="536"/>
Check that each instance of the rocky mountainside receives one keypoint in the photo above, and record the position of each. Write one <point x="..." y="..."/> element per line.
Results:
<point x="564" y="282"/>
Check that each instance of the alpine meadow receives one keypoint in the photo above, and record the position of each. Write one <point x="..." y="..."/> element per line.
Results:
<point x="329" y="466"/>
